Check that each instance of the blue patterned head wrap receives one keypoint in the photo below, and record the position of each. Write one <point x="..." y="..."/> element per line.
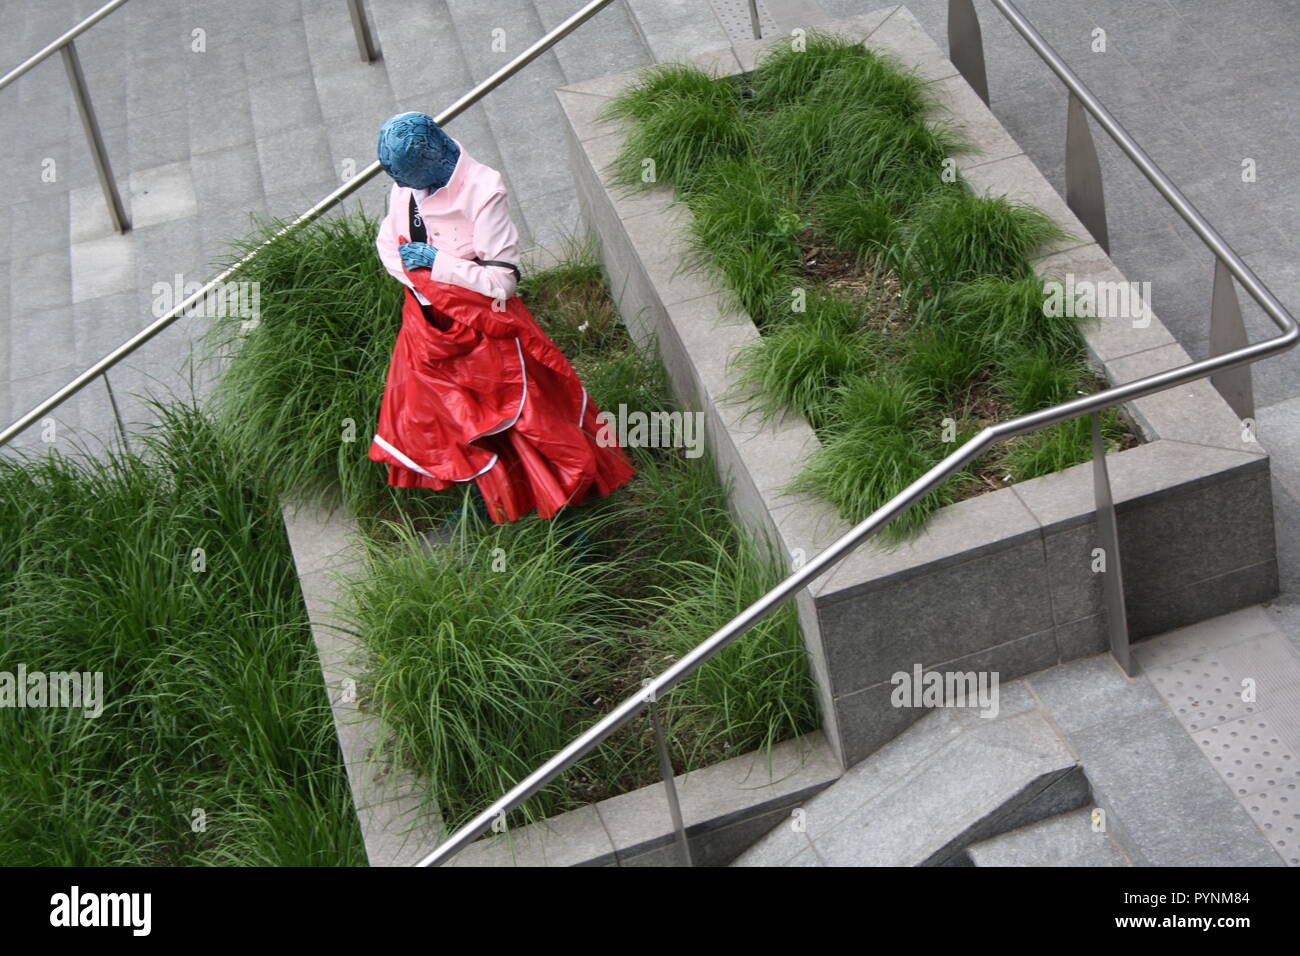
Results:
<point x="415" y="151"/>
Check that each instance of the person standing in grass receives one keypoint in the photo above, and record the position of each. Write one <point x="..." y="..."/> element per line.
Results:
<point x="476" y="391"/>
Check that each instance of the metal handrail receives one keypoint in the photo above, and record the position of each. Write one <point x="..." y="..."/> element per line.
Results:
<point x="352" y="185"/>
<point x="653" y="689"/>
<point x="66" y="47"/>
<point x="55" y="45"/>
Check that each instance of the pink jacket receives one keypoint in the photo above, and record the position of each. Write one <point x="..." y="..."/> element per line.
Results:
<point x="468" y="217"/>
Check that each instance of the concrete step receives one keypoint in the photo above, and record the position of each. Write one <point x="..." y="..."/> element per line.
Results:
<point x="1065" y="840"/>
<point x="675" y="29"/>
<point x="609" y="42"/>
<point x="951" y="780"/>
<point x="522" y="115"/>
<point x="398" y="827"/>
<point x="6" y="405"/>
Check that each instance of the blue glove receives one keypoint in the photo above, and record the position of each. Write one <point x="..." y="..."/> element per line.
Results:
<point x="417" y="255"/>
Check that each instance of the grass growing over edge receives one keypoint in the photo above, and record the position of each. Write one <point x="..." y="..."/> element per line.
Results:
<point x="214" y="697"/>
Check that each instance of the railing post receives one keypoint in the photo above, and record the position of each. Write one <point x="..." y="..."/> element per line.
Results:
<point x="117" y="415"/>
<point x="1227" y="334"/>
<point x="72" y="64"/>
<point x="753" y="19"/>
<point x="361" y="27"/>
<point x="1083" y="188"/>
<point x="1108" y="535"/>
<point x="670" y="788"/>
<point x="966" y="46"/>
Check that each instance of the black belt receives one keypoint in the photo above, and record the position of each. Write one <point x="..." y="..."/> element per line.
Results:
<point x="497" y="262"/>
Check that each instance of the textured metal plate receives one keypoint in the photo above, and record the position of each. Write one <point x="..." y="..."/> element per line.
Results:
<point x="1284" y="713"/>
<point x="734" y="15"/>
<point x="1250" y="755"/>
<point x="1278" y="814"/>
<point x="1207" y="689"/>
<point x="1201" y="691"/>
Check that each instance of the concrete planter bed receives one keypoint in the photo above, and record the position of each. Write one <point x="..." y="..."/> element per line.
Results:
<point x="726" y="807"/>
<point x="1001" y="582"/>
<point x="728" y="802"/>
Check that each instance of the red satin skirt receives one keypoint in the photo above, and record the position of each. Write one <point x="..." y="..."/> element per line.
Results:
<point x="490" y="400"/>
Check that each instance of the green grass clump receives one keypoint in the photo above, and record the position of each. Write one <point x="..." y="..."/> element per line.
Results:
<point x="739" y="199"/>
<point x="881" y="441"/>
<point x="865" y="222"/>
<point x="824" y="65"/>
<point x="1061" y="446"/>
<point x="871" y="403"/>
<point x="689" y="579"/>
<point x="874" y="78"/>
<point x="474" y="652"/>
<point x="941" y="362"/>
<point x="665" y="83"/>
<point x="570" y="304"/>
<point x="755" y="693"/>
<point x="793" y="142"/>
<point x="759" y="280"/>
<point x="827" y="144"/>
<point x="300" y="394"/>
<point x="685" y="121"/>
<point x="829" y="161"/>
<point x="954" y="237"/>
<point x="874" y="150"/>
<point x="784" y="74"/>
<point x="1033" y="379"/>
<point x="167" y="571"/>
<point x="1004" y="314"/>
<point x="744" y="226"/>
<point x="804" y="356"/>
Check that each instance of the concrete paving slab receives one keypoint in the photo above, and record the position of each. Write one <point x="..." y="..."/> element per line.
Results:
<point x="1250" y="755"/>
<point x="1194" y="640"/>
<point x="1083" y="693"/>
<point x="676" y="29"/>
<point x="1168" y="803"/>
<point x="608" y="43"/>
<point x="1277" y="812"/>
<point x="1207" y="689"/>
<point x="37" y="225"/>
<point x="1067" y="840"/>
<point x="102" y="267"/>
<point x="161" y="194"/>
<point x="39" y="281"/>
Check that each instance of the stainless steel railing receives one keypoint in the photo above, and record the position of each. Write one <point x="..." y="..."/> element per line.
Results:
<point x="967" y="53"/>
<point x="67" y="49"/>
<point x="101" y="367"/>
